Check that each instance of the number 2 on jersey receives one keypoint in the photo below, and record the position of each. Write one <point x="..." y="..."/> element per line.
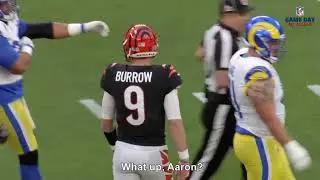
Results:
<point x="137" y="106"/>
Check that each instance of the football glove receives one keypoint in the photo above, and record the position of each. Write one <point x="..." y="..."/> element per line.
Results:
<point x="298" y="156"/>
<point x="97" y="26"/>
<point x="26" y="45"/>
<point x="3" y="134"/>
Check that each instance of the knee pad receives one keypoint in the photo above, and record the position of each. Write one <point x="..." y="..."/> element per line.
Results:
<point x="30" y="158"/>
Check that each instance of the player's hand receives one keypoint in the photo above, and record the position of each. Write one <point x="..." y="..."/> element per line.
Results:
<point x="26" y="45"/>
<point x="183" y="174"/>
<point x="97" y="26"/>
<point x="112" y="148"/>
<point x="3" y="134"/>
<point x="298" y="156"/>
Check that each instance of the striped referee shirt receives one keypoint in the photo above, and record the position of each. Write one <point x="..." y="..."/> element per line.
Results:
<point x="220" y="43"/>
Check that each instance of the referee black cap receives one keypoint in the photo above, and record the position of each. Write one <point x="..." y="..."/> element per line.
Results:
<point x="239" y="6"/>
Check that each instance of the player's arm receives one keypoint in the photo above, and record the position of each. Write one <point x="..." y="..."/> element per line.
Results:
<point x="222" y="56"/>
<point x="108" y="111"/>
<point x="260" y="89"/>
<point x="15" y="62"/>
<point x="54" y="30"/>
<point x="108" y="108"/>
<point x="172" y="110"/>
<point x="176" y="128"/>
<point x="261" y="93"/>
<point x="199" y="53"/>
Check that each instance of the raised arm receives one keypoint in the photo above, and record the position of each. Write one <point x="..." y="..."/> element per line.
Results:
<point x="54" y="30"/>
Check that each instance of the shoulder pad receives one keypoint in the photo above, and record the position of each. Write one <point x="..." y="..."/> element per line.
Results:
<point x="170" y="68"/>
<point x="112" y="65"/>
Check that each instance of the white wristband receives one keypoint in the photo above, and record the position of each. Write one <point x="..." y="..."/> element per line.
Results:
<point x="27" y="49"/>
<point x="184" y="155"/>
<point x="76" y="29"/>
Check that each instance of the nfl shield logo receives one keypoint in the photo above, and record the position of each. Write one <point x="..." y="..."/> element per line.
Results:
<point x="299" y="11"/>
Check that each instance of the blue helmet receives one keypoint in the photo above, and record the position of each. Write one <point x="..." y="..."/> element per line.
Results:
<point x="9" y="13"/>
<point x="266" y="35"/>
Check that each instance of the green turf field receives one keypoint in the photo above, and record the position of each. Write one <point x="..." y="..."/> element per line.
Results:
<point x="72" y="146"/>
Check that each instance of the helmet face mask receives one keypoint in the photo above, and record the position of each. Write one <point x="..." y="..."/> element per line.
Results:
<point x="276" y="49"/>
<point x="8" y="10"/>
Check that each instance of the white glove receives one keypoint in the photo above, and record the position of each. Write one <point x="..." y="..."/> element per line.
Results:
<point x="97" y="26"/>
<point x="298" y="156"/>
<point x="26" y="45"/>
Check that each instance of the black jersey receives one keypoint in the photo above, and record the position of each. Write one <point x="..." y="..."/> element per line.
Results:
<point x="139" y="93"/>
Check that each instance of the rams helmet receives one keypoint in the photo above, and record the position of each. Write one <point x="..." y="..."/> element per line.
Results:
<point x="266" y="35"/>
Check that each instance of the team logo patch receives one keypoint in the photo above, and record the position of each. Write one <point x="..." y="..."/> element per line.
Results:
<point x="300" y="19"/>
<point x="299" y="11"/>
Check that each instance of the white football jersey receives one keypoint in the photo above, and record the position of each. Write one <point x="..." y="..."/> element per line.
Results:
<point x="241" y="69"/>
<point x="10" y="30"/>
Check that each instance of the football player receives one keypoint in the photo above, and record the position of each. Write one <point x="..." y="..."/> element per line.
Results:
<point x="220" y="42"/>
<point x="16" y="48"/>
<point x="261" y="141"/>
<point x="140" y="96"/>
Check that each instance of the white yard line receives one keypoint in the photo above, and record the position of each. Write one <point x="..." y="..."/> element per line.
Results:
<point x="92" y="106"/>
<point x="315" y="88"/>
<point x="95" y="108"/>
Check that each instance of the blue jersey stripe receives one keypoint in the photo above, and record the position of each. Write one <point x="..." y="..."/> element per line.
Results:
<point x="263" y="157"/>
<point x="243" y="131"/>
<point x="17" y="128"/>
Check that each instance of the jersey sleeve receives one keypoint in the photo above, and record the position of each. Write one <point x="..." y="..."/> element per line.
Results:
<point x="36" y="30"/>
<point x="22" y="28"/>
<point x="8" y="56"/>
<point x="256" y="73"/>
<point x="171" y="105"/>
<point x="174" y="78"/>
<point x="106" y="79"/>
<point x="108" y="106"/>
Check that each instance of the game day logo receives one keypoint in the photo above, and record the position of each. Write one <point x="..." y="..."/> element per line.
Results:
<point x="300" y="19"/>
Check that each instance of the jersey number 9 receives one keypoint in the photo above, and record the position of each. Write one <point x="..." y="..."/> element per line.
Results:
<point x="137" y="106"/>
